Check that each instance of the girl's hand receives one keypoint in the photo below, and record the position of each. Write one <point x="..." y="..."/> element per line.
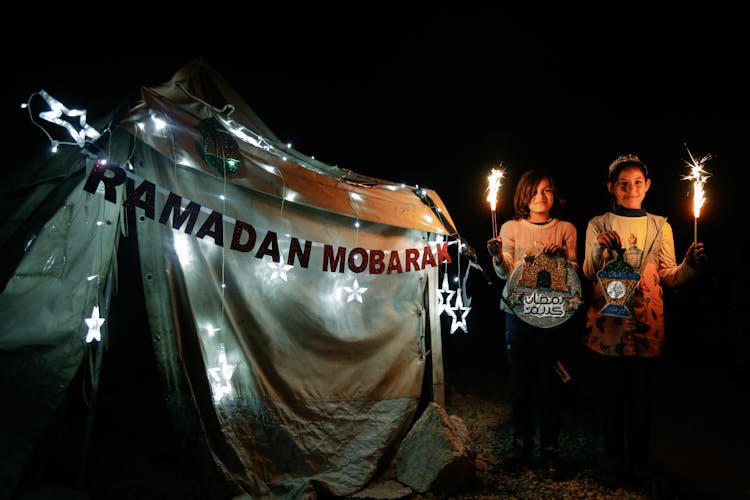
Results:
<point x="695" y="256"/>
<point x="553" y="249"/>
<point x="495" y="246"/>
<point x="609" y="239"/>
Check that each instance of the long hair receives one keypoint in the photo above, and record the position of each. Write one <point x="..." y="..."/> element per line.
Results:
<point x="526" y="189"/>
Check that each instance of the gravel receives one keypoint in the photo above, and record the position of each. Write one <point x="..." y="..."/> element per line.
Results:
<point x="487" y="417"/>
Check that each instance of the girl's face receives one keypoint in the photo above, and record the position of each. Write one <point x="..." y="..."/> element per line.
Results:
<point x="541" y="202"/>
<point x="630" y="188"/>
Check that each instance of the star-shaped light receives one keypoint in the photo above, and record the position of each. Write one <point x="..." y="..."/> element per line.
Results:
<point x="94" y="323"/>
<point x="57" y="109"/>
<point x="221" y="375"/>
<point x="444" y="302"/>
<point x="463" y="310"/>
<point x="355" y="292"/>
<point x="279" y="270"/>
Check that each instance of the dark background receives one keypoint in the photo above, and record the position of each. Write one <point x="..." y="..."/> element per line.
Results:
<point x="440" y="96"/>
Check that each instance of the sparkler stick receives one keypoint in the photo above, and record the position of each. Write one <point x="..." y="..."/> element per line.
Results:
<point x="698" y="175"/>
<point x="494" y="185"/>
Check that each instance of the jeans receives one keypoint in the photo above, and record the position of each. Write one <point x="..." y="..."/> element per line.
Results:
<point x="535" y="386"/>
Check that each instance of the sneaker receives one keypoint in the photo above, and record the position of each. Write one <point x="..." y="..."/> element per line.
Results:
<point x="519" y="454"/>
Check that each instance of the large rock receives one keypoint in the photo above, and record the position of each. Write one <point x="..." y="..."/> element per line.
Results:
<point x="435" y="454"/>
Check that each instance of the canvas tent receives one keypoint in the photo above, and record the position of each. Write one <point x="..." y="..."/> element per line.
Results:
<point x="291" y="303"/>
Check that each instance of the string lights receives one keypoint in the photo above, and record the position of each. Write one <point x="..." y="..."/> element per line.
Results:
<point x="454" y="303"/>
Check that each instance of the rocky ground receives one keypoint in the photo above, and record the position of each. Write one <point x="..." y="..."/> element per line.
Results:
<point x="488" y="421"/>
<point x="486" y="414"/>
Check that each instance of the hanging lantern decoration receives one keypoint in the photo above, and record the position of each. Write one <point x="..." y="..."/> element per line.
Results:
<point x="219" y="149"/>
<point x="618" y="280"/>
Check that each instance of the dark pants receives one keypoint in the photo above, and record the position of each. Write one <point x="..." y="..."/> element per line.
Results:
<point x="626" y="406"/>
<point x="535" y="386"/>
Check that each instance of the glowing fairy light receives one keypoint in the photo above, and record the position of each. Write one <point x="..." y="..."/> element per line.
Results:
<point x="59" y="114"/>
<point x="698" y="175"/>
<point x="355" y="292"/>
<point x="94" y="324"/>
<point x="494" y="181"/>
<point x="221" y="376"/>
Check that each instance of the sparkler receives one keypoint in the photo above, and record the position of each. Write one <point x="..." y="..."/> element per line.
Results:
<point x="698" y="175"/>
<point x="494" y="185"/>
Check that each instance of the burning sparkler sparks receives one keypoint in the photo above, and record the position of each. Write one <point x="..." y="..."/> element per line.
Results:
<point x="698" y="175"/>
<point x="494" y="180"/>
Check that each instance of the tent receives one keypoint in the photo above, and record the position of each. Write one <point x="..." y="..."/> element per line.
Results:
<point x="293" y="305"/>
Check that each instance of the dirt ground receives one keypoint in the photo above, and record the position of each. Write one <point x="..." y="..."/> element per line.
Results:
<point x="487" y="417"/>
<point x="699" y="443"/>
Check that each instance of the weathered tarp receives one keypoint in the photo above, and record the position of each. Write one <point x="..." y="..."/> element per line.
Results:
<point x="291" y="303"/>
<point x="64" y="242"/>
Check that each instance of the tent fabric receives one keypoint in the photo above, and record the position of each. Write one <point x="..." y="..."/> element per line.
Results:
<point x="310" y="370"/>
<point x="67" y="267"/>
<point x="291" y="303"/>
<point x="273" y="168"/>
